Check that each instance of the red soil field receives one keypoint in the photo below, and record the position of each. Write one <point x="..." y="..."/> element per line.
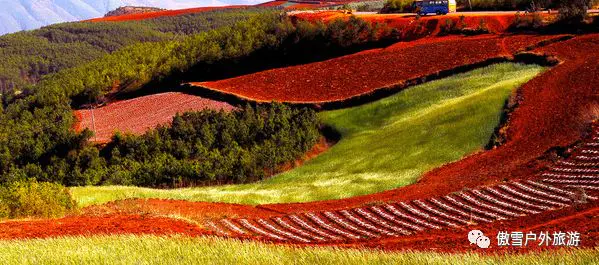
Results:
<point x="140" y="114"/>
<point x="272" y="3"/>
<point x="97" y="225"/>
<point x="129" y="221"/>
<point x="165" y="13"/>
<point x="553" y="209"/>
<point x="362" y="73"/>
<point x="314" y="16"/>
<point x="555" y="109"/>
<point x="199" y="211"/>
<point x="553" y="202"/>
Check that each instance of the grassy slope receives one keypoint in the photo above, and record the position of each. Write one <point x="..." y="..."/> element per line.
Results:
<point x="184" y="250"/>
<point x="386" y="144"/>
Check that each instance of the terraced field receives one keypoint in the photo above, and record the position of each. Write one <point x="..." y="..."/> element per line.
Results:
<point x="410" y="133"/>
<point x="362" y="76"/>
<point x="409" y="173"/>
<point x="581" y="170"/>
<point x="569" y="182"/>
<point x="484" y="205"/>
<point x="140" y="114"/>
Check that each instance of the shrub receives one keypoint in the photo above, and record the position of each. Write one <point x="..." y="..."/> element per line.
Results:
<point x="595" y="22"/>
<point x="480" y="5"/>
<point x="397" y="6"/>
<point x="461" y="27"/>
<point x="4" y="210"/>
<point x="344" y="7"/>
<point x="29" y="198"/>
<point x="527" y="22"/>
<point x="573" y="11"/>
<point x="366" y="8"/>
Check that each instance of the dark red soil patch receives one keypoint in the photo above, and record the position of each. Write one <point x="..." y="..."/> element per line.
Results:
<point x="98" y="225"/>
<point x="140" y="114"/>
<point x="363" y="73"/>
<point x="165" y="13"/>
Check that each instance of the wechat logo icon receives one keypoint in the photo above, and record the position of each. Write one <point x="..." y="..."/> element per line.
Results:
<point x="477" y="237"/>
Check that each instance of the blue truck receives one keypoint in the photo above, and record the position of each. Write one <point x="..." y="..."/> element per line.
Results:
<point x="439" y="7"/>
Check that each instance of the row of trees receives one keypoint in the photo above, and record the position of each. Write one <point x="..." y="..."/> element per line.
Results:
<point x="199" y="148"/>
<point x="398" y="6"/>
<point x="213" y="147"/>
<point x="134" y="67"/>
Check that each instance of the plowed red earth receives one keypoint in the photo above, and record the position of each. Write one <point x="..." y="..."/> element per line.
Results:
<point x="140" y="114"/>
<point x="143" y="217"/>
<point x="584" y="220"/>
<point x="556" y="109"/>
<point x="365" y="72"/>
<point x="165" y="13"/>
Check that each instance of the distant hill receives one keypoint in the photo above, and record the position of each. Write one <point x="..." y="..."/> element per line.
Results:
<point x="130" y="10"/>
<point x="32" y="14"/>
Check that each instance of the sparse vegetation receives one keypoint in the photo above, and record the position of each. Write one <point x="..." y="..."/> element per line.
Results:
<point x="461" y="27"/>
<point x="397" y="6"/>
<point x="480" y="5"/>
<point x="29" y="198"/>
<point x="368" y="6"/>
<point x="573" y="11"/>
<point x="531" y="21"/>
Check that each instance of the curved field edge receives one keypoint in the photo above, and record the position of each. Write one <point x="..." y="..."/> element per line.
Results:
<point x="385" y="144"/>
<point x="128" y="249"/>
<point x="346" y="85"/>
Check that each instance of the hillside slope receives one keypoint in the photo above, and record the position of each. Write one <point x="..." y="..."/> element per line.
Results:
<point x="31" y="14"/>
